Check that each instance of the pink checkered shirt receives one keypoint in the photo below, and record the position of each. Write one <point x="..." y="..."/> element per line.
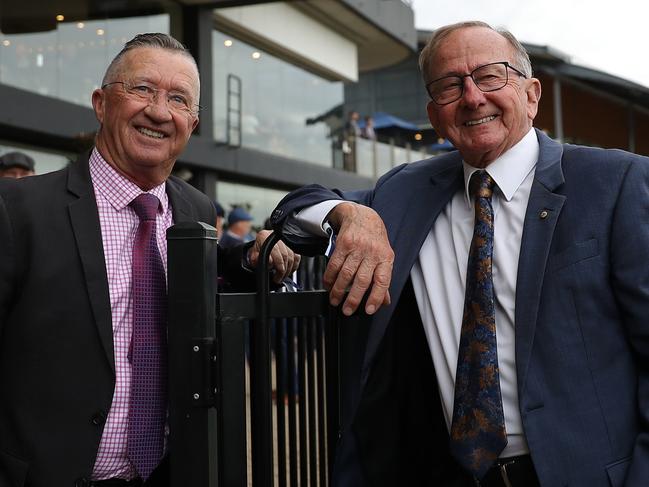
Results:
<point x="118" y="226"/>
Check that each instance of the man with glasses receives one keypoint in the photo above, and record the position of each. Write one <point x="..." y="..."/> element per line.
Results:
<point x="83" y="370"/>
<point x="512" y="347"/>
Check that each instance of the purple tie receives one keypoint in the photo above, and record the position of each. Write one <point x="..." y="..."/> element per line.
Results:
<point x="148" y="354"/>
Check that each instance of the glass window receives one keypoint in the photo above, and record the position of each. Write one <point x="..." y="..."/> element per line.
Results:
<point x="44" y="161"/>
<point x="257" y="201"/>
<point x="69" y="62"/>
<point x="286" y="110"/>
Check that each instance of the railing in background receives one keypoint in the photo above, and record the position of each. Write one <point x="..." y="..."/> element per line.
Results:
<point x="373" y="158"/>
<point x="273" y="423"/>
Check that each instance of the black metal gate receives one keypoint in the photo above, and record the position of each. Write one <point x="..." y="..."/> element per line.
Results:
<point x="271" y="420"/>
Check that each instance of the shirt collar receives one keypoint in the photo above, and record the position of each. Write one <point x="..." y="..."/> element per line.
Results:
<point x="116" y="188"/>
<point x="510" y="169"/>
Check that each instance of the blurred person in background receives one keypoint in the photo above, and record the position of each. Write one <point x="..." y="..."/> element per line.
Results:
<point x="239" y="228"/>
<point x="16" y="165"/>
<point x="367" y="132"/>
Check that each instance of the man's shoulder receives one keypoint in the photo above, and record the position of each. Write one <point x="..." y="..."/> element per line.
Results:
<point x="185" y="188"/>
<point x="575" y="153"/>
<point x="34" y="188"/>
<point x="187" y="191"/>
<point x="596" y="160"/>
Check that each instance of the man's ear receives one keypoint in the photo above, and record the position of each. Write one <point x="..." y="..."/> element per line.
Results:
<point x="195" y="123"/>
<point x="533" y="93"/>
<point x="99" y="103"/>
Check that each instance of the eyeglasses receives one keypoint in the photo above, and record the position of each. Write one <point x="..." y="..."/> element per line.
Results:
<point x="177" y="102"/>
<point x="489" y="77"/>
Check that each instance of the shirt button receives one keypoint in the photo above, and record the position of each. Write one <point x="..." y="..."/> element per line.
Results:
<point x="98" y="418"/>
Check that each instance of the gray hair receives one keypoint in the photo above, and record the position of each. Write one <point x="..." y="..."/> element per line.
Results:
<point x="155" y="40"/>
<point x="521" y="58"/>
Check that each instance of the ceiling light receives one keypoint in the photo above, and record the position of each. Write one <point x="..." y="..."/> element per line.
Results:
<point x="60" y="18"/>
<point x="100" y="32"/>
<point x="256" y="55"/>
<point x="80" y="25"/>
<point x="418" y="136"/>
<point x="227" y="43"/>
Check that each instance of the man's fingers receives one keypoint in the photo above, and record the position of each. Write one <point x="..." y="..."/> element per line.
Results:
<point x="380" y="294"/>
<point x="344" y="278"/>
<point x="360" y="285"/>
<point x="334" y="265"/>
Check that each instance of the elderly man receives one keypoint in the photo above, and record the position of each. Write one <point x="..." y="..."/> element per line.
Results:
<point x="513" y="347"/>
<point x="83" y="284"/>
<point x="16" y="165"/>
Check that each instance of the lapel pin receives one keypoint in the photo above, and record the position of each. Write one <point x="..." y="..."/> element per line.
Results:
<point x="543" y="215"/>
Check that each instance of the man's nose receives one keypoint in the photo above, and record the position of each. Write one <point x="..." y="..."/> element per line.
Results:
<point x="158" y="108"/>
<point x="472" y="96"/>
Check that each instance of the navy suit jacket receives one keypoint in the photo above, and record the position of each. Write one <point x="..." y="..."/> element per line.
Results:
<point x="582" y="321"/>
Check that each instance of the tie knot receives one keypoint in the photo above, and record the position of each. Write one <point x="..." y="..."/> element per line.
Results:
<point x="481" y="185"/>
<point x="145" y="206"/>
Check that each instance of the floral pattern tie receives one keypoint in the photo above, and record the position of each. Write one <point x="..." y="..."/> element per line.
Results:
<point x="148" y="353"/>
<point x="478" y="428"/>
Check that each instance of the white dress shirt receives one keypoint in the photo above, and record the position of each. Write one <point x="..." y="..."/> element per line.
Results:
<point x="439" y="275"/>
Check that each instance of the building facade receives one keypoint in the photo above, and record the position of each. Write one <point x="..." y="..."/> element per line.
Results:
<point x="268" y="70"/>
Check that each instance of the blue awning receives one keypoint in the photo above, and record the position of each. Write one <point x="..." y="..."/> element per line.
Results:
<point x="384" y="120"/>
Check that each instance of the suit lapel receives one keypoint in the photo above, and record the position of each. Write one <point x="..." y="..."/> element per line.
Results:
<point x="542" y="213"/>
<point x="84" y="218"/>
<point x="180" y="206"/>
<point x="408" y="222"/>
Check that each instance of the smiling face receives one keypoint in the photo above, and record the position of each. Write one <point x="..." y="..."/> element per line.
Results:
<point x="141" y="139"/>
<point x="482" y="125"/>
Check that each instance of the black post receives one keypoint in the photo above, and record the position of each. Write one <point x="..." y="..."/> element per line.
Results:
<point x="260" y="376"/>
<point x="192" y="278"/>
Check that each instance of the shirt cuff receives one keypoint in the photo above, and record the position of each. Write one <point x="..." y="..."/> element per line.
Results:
<point x="313" y="217"/>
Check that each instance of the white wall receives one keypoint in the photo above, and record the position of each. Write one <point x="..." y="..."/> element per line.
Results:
<point x="281" y="29"/>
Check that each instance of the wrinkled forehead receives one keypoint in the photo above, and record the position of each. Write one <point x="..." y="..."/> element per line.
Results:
<point x="171" y="70"/>
<point x="463" y="50"/>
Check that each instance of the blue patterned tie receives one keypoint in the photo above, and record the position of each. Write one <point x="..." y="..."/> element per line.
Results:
<point x="148" y="353"/>
<point x="478" y="428"/>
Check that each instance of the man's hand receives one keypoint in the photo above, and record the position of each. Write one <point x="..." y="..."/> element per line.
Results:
<point x="282" y="259"/>
<point x="362" y="258"/>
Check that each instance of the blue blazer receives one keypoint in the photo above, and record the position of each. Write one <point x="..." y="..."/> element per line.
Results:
<point x="582" y="309"/>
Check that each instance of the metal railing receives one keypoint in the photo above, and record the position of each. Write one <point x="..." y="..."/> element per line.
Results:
<point x="268" y="421"/>
<point x="373" y="158"/>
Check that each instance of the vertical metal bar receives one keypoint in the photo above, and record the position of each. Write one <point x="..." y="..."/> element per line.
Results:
<point x="280" y="374"/>
<point x="313" y="446"/>
<point x="192" y="277"/>
<point x="294" y="391"/>
<point x="301" y="363"/>
<point x="332" y="350"/>
<point x="231" y="407"/>
<point x="322" y="401"/>
<point x="260" y="377"/>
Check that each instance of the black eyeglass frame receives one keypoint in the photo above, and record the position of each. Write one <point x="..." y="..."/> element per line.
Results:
<point x="128" y="85"/>
<point x="461" y="77"/>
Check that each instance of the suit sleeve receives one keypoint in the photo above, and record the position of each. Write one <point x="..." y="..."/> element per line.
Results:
<point x="306" y="196"/>
<point x="630" y="281"/>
